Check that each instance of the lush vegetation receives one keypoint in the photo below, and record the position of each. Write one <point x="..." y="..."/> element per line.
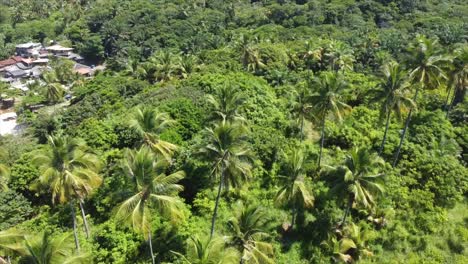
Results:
<point x="234" y="131"/>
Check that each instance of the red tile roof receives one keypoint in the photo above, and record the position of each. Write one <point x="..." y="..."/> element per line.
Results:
<point x="83" y="71"/>
<point x="10" y="61"/>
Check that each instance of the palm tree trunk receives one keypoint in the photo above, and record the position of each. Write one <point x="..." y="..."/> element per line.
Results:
<point x="75" y="232"/>
<point x="302" y="127"/>
<point x="86" y="227"/>
<point x="151" y="247"/>
<point x="348" y="209"/>
<point x="322" y="141"/>
<point x="446" y="106"/>
<point x="213" y="219"/>
<point x="385" y="133"/>
<point x="293" y="217"/>
<point x="402" y="138"/>
<point x="455" y="101"/>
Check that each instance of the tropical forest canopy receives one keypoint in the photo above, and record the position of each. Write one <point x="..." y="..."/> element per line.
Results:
<point x="234" y="131"/>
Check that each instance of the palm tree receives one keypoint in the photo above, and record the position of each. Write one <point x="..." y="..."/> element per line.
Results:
<point x="293" y="191"/>
<point x="45" y="249"/>
<point x="54" y="89"/>
<point x="351" y="244"/>
<point x="393" y="95"/>
<point x="209" y="251"/>
<point x="226" y="149"/>
<point x="226" y="103"/>
<point x="4" y="170"/>
<point x="248" y="228"/>
<point x="10" y="243"/>
<point x="425" y="62"/>
<point x="148" y="123"/>
<point x="301" y="107"/>
<point x="70" y="171"/>
<point x="338" y="56"/>
<point x="250" y="55"/>
<point x="187" y="65"/>
<point x="164" y="65"/>
<point x="458" y="78"/>
<point x="153" y="190"/>
<point x="444" y="147"/>
<point x="358" y="179"/>
<point x="326" y="101"/>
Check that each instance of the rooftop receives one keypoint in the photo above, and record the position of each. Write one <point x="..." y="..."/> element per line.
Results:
<point x="10" y="61"/>
<point x="28" y="45"/>
<point x="58" y="48"/>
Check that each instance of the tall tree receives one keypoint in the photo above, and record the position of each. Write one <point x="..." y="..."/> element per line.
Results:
<point x="250" y="55"/>
<point x="11" y="243"/>
<point x="301" y="107"/>
<point x="54" y="89"/>
<point x="153" y="190"/>
<point x="358" y="179"/>
<point x="248" y="228"/>
<point x="70" y="172"/>
<point x="209" y="251"/>
<point x="338" y="56"/>
<point x="426" y="62"/>
<point x="458" y="78"/>
<point x="187" y="65"/>
<point x="148" y="123"/>
<point x="294" y="191"/>
<point x="327" y="101"/>
<point x="4" y="170"/>
<point x="392" y="93"/>
<point x="350" y="245"/>
<point x="226" y="103"/>
<point x="45" y="249"/>
<point x="165" y="66"/>
<point x="226" y="149"/>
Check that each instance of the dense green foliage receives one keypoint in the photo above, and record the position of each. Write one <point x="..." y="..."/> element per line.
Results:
<point x="235" y="131"/>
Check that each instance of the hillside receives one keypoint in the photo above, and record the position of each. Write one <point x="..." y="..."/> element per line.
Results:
<point x="233" y="131"/>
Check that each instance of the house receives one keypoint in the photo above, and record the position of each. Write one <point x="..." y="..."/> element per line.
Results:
<point x="83" y="70"/>
<point x="28" y="49"/>
<point x="42" y="62"/>
<point x="11" y="61"/>
<point x="75" y="57"/>
<point x="36" y="71"/>
<point x="15" y="74"/>
<point x="58" y="50"/>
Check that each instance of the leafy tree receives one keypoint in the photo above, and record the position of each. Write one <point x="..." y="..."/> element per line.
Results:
<point x="226" y="148"/>
<point x="154" y="190"/>
<point x="14" y="209"/>
<point x="358" y="179"/>
<point x="248" y="227"/>
<point x="294" y="190"/>
<point x="393" y="95"/>
<point x="426" y="63"/>
<point x="69" y="170"/>
<point x="149" y="124"/>
<point x="209" y="251"/>
<point x="226" y="104"/>
<point x="327" y="101"/>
